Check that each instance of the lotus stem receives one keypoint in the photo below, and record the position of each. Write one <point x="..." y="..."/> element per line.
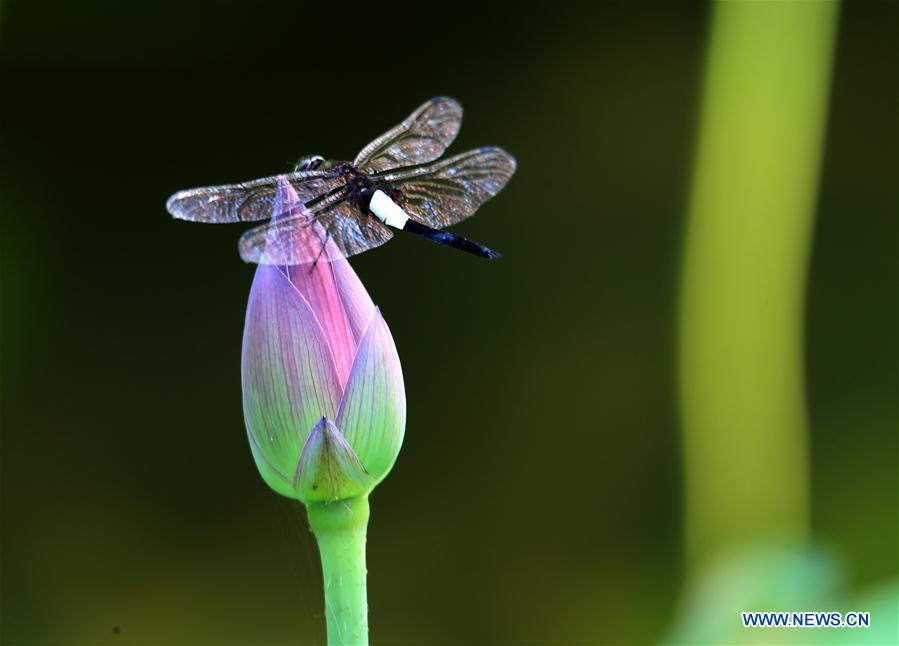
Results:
<point x="749" y="230"/>
<point x="340" y="529"/>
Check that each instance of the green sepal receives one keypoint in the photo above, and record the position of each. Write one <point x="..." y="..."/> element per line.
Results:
<point x="328" y="469"/>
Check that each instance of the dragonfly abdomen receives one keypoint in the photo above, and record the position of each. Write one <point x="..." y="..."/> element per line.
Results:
<point x="387" y="211"/>
<point x="450" y="240"/>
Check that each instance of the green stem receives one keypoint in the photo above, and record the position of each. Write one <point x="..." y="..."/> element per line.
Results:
<point x="742" y="294"/>
<point x="339" y="528"/>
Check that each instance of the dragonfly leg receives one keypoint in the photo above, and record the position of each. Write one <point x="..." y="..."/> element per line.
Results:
<point x="321" y="251"/>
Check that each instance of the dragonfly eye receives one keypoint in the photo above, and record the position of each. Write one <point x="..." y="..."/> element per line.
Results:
<point x="309" y="163"/>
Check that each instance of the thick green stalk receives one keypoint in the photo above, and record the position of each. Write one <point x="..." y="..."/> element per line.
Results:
<point x="339" y="528"/>
<point x="742" y="293"/>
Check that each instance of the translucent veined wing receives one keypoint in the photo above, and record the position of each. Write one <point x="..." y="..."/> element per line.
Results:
<point x="354" y="232"/>
<point x="421" y="138"/>
<point x="450" y="190"/>
<point x="248" y="201"/>
<point x="326" y="232"/>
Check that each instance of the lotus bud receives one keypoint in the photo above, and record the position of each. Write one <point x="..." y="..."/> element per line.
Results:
<point x="323" y="395"/>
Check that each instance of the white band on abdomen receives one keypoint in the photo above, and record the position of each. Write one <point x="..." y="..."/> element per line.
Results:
<point x="387" y="211"/>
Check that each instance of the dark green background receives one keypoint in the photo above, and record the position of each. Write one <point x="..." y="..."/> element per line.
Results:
<point x="537" y="497"/>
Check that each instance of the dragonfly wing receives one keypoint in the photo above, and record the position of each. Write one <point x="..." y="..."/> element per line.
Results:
<point x="354" y="232"/>
<point x="450" y="190"/>
<point x="421" y="138"/>
<point x="337" y="230"/>
<point x="247" y="201"/>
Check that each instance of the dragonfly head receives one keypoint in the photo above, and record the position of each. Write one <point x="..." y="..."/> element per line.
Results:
<point x="309" y="163"/>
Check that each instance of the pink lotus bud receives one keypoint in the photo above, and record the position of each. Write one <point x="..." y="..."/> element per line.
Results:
<point x="323" y="395"/>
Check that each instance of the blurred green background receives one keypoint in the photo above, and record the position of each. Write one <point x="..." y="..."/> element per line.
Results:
<point x="539" y="494"/>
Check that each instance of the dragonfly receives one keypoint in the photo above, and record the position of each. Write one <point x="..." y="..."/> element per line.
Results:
<point x="397" y="182"/>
